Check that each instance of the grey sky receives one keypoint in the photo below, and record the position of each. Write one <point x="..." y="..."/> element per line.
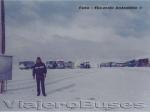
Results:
<point x="59" y="30"/>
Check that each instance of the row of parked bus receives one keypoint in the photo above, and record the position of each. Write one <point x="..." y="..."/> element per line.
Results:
<point x="54" y="65"/>
<point x="85" y="65"/>
<point x="132" y="63"/>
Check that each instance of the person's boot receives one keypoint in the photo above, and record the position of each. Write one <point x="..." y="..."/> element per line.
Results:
<point x="38" y="94"/>
<point x="44" y="95"/>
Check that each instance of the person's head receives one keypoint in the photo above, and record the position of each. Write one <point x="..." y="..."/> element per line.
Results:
<point x="38" y="60"/>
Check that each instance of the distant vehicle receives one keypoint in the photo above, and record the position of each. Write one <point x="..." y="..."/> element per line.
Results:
<point x="69" y="64"/>
<point x="60" y="64"/>
<point x="120" y="64"/>
<point x="132" y="63"/>
<point x="51" y="64"/>
<point x="113" y="64"/>
<point x="26" y="65"/>
<point x="109" y="64"/>
<point x="143" y="62"/>
<point x="85" y="65"/>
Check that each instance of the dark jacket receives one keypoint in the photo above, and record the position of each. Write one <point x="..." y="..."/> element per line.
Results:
<point x="39" y="70"/>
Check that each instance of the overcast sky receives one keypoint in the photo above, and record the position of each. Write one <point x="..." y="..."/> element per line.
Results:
<point x="59" y="30"/>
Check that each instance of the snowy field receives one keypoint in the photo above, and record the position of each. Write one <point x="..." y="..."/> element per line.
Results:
<point x="109" y="85"/>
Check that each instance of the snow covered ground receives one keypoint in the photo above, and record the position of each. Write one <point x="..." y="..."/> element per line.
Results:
<point x="105" y="85"/>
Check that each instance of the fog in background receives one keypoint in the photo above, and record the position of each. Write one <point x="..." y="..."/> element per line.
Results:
<point x="59" y="30"/>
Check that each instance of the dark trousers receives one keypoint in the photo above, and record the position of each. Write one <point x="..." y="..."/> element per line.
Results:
<point x="40" y="83"/>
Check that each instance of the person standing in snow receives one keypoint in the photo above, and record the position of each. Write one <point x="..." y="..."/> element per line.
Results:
<point x="39" y="71"/>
